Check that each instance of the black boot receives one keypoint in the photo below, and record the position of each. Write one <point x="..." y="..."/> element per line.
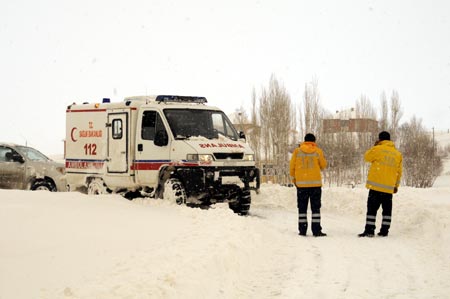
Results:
<point x="366" y="234"/>
<point x="320" y="234"/>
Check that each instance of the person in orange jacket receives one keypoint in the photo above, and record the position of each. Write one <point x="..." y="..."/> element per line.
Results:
<point x="383" y="181"/>
<point x="306" y="164"/>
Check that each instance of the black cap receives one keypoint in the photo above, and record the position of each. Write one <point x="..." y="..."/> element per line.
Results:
<point x="384" y="136"/>
<point x="310" y="137"/>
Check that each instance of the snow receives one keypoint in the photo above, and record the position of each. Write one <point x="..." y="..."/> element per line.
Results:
<point x="71" y="245"/>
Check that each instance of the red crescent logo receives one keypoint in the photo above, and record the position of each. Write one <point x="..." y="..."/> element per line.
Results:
<point x="71" y="134"/>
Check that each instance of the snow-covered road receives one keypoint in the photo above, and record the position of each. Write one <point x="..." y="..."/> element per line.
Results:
<point x="70" y="245"/>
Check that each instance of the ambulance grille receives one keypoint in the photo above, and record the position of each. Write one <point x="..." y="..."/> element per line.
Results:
<point x="226" y="156"/>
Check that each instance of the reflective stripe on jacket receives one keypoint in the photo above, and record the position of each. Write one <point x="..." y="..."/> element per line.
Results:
<point x="386" y="168"/>
<point x="306" y="163"/>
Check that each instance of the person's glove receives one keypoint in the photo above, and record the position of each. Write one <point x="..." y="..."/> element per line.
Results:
<point x="395" y="189"/>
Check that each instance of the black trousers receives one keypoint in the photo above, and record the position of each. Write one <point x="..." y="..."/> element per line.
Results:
<point x="374" y="201"/>
<point x="304" y="195"/>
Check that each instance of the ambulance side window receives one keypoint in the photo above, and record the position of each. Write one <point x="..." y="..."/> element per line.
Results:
<point x="117" y="129"/>
<point x="151" y="123"/>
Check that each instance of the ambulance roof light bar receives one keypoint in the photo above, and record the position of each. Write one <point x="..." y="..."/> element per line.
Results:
<point x="180" y="99"/>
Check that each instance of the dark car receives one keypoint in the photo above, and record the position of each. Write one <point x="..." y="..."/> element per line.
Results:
<point x="25" y="168"/>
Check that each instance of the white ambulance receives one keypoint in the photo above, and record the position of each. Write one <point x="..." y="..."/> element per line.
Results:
<point x="172" y="147"/>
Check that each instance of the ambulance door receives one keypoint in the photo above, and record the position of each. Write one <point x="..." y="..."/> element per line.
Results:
<point x="117" y="161"/>
<point x="150" y="157"/>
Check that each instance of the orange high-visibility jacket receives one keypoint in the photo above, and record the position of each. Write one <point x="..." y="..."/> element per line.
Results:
<point x="386" y="168"/>
<point x="306" y="163"/>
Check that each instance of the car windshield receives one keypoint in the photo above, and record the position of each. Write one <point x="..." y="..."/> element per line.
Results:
<point x="32" y="154"/>
<point x="186" y="123"/>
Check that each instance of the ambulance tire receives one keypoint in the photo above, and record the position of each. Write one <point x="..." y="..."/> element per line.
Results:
<point x="43" y="185"/>
<point x="174" y="191"/>
<point x="96" y="187"/>
<point x="242" y="205"/>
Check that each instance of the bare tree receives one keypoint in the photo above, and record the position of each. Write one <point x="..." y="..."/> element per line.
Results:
<point x="254" y="138"/>
<point x="280" y="126"/>
<point x="365" y="138"/>
<point x="294" y="133"/>
<point x="301" y="123"/>
<point x="421" y="163"/>
<point x="264" y="116"/>
<point x="343" y="159"/>
<point x="383" y="122"/>
<point x="311" y="108"/>
<point x="276" y="117"/>
<point x="364" y="108"/>
<point x="396" y="113"/>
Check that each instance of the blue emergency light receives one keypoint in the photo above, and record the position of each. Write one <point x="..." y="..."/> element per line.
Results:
<point x="180" y="99"/>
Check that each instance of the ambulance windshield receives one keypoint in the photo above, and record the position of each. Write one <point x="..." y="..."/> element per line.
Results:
<point x="186" y="123"/>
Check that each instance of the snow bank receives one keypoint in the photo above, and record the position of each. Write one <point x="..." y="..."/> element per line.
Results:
<point x="70" y="245"/>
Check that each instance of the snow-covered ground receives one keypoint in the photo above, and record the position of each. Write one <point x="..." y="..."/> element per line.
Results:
<point x="70" y="245"/>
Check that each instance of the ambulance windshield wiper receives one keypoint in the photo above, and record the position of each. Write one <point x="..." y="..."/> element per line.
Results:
<point x="182" y="137"/>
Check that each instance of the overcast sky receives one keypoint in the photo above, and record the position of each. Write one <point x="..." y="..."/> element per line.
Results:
<point x="57" y="52"/>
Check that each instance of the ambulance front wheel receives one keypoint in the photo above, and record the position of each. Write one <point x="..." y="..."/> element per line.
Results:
<point x="96" y="187"/>
<point x="174" y="191"/>
<point x="242" y="205"/>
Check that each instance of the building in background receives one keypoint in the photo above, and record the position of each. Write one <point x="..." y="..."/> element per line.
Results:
<point x="347" y="121"/>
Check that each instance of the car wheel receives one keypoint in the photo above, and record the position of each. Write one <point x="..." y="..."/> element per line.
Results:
<point x="43" y="185"/>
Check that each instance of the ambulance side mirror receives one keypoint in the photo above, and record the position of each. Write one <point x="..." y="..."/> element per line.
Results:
<point x="161" y="138"/>
<point x="242" y="135"/>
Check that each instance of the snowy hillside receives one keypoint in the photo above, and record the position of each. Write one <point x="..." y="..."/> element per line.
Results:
<point x="70" y="245"/>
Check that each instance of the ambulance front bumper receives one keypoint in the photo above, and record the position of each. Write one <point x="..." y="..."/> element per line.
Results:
<point x="218" y="183"/>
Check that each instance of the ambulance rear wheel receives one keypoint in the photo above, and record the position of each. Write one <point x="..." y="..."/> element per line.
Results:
<point x="96" y="187"/>
<point x="174" y="191"/>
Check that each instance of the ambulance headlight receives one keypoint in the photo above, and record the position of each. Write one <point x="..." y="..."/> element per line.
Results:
<point x="199" y="157"/>
<point x="249" y="157"/>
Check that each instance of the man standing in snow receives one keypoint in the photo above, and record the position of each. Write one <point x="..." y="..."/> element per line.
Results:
<point x="306" y="164"/>
<point x="382" y="181"/>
